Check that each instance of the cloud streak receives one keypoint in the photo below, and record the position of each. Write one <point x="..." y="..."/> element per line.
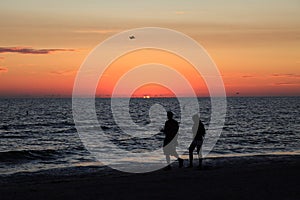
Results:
<point x="23" y="50"/>
<point x="286" y="75"/>
<point x="286" y="84"/>
<point x="2" y="69"/>
<point x="63" y="72"/>
<point x="248" y="76"/>
<point x="101" y="31"/>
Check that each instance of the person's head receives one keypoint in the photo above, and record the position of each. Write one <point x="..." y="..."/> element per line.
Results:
<point x="170" y="115"/>
<point x="196" y="118"/>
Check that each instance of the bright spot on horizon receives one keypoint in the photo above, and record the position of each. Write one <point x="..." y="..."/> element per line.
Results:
<point x="146" y="97"/>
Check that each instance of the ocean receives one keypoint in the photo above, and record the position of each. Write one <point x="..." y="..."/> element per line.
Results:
<point x="40" y="134"/>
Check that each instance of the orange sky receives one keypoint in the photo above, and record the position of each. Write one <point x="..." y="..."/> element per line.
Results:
<point x="255" y="44"/>
<point x="127" y="62"/>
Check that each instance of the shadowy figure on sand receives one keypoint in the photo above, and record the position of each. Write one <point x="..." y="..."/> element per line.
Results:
<point x="198" y="138"/>
<point x="170" y="142"/>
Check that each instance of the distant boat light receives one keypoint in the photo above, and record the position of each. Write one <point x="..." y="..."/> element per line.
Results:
<point x="146" y="97"/>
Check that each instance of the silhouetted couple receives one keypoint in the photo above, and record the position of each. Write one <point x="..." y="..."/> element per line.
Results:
<point x="170" y="142"/>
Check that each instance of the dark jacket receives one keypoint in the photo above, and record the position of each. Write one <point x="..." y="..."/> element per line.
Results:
<point x="170" y="130"/>
<point x="200" y="132"/>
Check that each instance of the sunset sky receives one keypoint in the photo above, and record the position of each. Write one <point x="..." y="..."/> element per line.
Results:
<point x="255" y="44"/>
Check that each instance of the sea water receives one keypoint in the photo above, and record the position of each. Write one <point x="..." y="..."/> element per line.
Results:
<point x="40" y="133"/>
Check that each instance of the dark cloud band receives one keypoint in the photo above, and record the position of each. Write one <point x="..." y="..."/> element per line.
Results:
<point x="3" y="69"/>
<point x="23" y="50"/>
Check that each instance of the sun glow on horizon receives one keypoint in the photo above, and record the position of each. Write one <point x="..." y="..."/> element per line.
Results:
<point x="130" y="60"/>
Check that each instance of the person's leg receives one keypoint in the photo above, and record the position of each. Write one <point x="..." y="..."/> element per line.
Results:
<point x="199" y="149"/>
<point x="175" y="154"/>
<point x="180" y="160"/>
<point x="191" y="149"/>
<point x="168" y="167"/>
<point x="168" y="159"/>
<point x="199" y="152"/>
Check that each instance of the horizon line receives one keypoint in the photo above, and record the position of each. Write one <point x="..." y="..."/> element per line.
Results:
<point x="133" y="97"/>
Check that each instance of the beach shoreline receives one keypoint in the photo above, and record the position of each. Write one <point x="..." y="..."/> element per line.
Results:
<point x="254" y="177"/>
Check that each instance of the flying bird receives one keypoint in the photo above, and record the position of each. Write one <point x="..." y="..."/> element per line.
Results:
<point x="132" y="37"/>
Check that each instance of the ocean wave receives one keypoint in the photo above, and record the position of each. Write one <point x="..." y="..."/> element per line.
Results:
<point x="29" y="155"/>
<point x="13" y="136"/>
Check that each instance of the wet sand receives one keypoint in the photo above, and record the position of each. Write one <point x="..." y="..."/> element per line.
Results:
<point x="257" y="177"/>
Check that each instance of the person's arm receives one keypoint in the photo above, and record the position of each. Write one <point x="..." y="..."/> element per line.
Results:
<point x="164" y="128"/>
<point x="177" y="126"/>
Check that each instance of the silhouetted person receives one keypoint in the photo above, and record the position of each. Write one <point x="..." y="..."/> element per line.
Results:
<point x="198" y="137"/>
<point x="170" y="142"/>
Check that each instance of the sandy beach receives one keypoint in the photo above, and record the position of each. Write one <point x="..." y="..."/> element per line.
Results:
<point x="255" y="177"/>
